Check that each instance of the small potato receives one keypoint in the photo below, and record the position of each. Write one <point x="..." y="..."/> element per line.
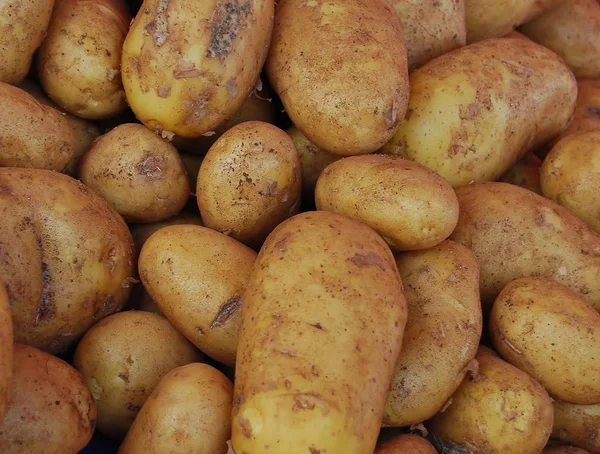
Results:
<point x="141" y="232"/>
<point x="502" y="410"/>
<point x="564" y="450"/>
<point x="138" y="173"/>
<point x="80" y="60"/>
<point x="51" y="411"/>
<point x="544" y="329"/>
<point x="6" y="352"/>
<point x="410" y="206"/>
<point x="123" y="358"/>
<point x="406" y="444"/>
<point x="249" y="182"/>
<point x="572" y="30"/>
<point x="578" y="425"/>
<point x="190" y="409"/>
<point x="525" y="173"/>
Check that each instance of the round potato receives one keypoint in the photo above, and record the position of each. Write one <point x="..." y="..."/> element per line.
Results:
<point x="502" y="410"/>
<point x="51" y="409"/>
<point x="578" y="425"/>
<point x="122" y="359"/>
<point x="409" y="205"/>
<point x="249" y="182"/>
<point x="406" y="444"/>
<point x="6" y="352"/>
<point x="340" y="69"/>
<point x="564" y="450"/>
<point x="476" y="111"/>
<point x="141" y="232"/>
<point x="525" y="173"/>
<point x="191" y="410"/>
<point x="138" y="173"/>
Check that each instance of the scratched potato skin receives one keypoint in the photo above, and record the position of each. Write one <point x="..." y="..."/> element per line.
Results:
<point x="578" y="425"/>
<point x="406" y="444"/>
<point x="188" y="66"/>
<point x="322" y="326"/>
<point x="6" y="351"/>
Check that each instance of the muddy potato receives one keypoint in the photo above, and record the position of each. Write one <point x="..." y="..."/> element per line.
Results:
<point x="249" y="182"/>
<point x="122" y="358"/>
<point x="406" y="444"/>
<point x="564" y="450"/>
<point x="340" y="69"/>
<point x="410" y="206"/>
<point x="578" y="425"/>
<point x="191" y="410"/>
<point x="476" y="111"/>
<point x="572" y="30"/>
<point x="6" y="351"/>
<point x="525" y="173"/>
<point x="322" y="326"/>
<point x="51" y="411"/>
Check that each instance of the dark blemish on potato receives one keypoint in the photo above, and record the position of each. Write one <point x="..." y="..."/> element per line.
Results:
<point x="6" y="190"/>
<point x="270" y="189"/>
<point x="245" y="426"/>
<point x="229" y="19"/>
<point x="436" y="2"/>
<point x="368" y="259"/>
<point x="163" y="92"/>
<point x="303" y="402"/>
<point x="133" y="407"/>
<point x="314" y="450"/>
<point x="472" y="370"/>
<point x="57" y="402"/>
<point x="390" y="115"/>
<point x="226" y="311"/>
<point x="447" y="447"/>
<point x="594" y="111"/>
<point x="159" y="27"/>
<point x="129" y="360"/>
<point x="124" y="376"/>
<point x="318" y="326"/>
<point x="469" y="112"/>
<point x="150" y="167"/>
<point x="185" y="70"/>
<point x="47" y="307"/>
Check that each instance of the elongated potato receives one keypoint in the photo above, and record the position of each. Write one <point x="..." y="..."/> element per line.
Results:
<point x="578" y="425"/>
<point x="564" y="450"/>
<point x="188" y="66"/>
<point x="442" y="332"/>
<point x="501" y="411"/>
<point x="516" y="233"/>
<point x="6" y="352"/>
<point x="322" y="326"/>
<point x="476" y="111"/>
<point x="525" y="173"/>
<point x="406" y="444"/>
<point x="191" y="410"/>
<point x="340" y="70"/>
<point x="409" y="205"/>
<point x="51" y="409"/>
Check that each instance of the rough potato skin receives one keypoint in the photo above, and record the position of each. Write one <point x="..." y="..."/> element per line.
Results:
<point x="67" y="257"/>
<point x="190" y="409"/>
<point x="79" y="62"/>
<point x="188" y="66"/>
<point x="525" y="173"/>
<point x="340" y="69"/>
<point x="6" y="352"/>
<point x="578" y="425"/>
<point x="564" y="450"/>
<point x="516" y="233"/>
<point x="322" y="326"/>
<point x="51" y="410"/>
<point x="406" y="444"/>
<point x="442" y="332"/>
<point x="476" y="111"/>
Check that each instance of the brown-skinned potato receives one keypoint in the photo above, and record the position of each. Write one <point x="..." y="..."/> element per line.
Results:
<point x="6" y="352"/>
<point x="578" y="425"/>
<point x="406" y="444"/>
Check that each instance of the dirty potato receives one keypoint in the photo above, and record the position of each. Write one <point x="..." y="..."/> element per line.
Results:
<point x="6" y="351"/>
<point x="525" y="173"/>
<point x="578" y="425"/>
<point x="406" y="444"/>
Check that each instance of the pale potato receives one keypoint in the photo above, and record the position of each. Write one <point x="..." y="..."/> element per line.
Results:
<point x="578" y="425"/>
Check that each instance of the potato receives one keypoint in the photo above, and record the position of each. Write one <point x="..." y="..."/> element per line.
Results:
<point x="322" y="326"/>
<point x="564" y="450"/>
<point x="138" y="173"/>
<point x="572" y="30"/>
<point x="406" y="444"/>
<point x="67" y="257"/>
<point x="578" y="425"/>
<point x="546" y="330"/>
<point x="406" y="203"/>
<point x="189" y="66"/>
<point x="6" y="352"/>
<point x="122" y="358"/>
<point x="501" y="411"/>
<point x="249" y="182"/>
<point x="51" y="410"/>
<point x="516" y="233"/>
<point x="141" y="232"/>
<point x="32" y="135"/>
<point x="442" y="332"/>
<point x="190" y="408"/>
<point x="431" y="28"/>
<point x="340" y="69"/>
<point x="525" y="173"/>
<point x="476" y="111"/>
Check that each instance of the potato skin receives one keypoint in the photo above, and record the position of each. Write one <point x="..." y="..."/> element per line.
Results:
<point x="546" y="330"/>
<point x="516" y="233"/>
<point x="503" y="411"/>
<point x="340" y="69"/>
<point x="441" y="337"/>
<point x="525" y="173"/>
<point x="69" y="257"/>
<point x="476" y="111"/>
<point x="52" y="410"/>
<point x="141" y="232"/>
<point x="79" y="62"/>
<point x="578" y="425"/>
<point x="406" y="444"/>
<point x="587" y="109"/>
<point x="564" y="450"/>
<point x="6" y="352"/>
<point x="207" y="310"/>
<point x="418" y="210"/>
<point x="189" y="66"/>
<point x="191" y="410"/>
<point x="322" y="326"/>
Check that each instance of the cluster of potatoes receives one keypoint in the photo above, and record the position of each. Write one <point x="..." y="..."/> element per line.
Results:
<point x="300" y="226"/>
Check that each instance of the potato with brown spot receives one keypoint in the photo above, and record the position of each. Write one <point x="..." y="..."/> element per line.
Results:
<point x="564" y="450"/>
<point x="191" y="410"/>
<point x="51" y="411"/>
<point x="578" y="425"/>
<point x="322" y="326"/>
<point x="6" y="352"/>
<point x="123" y="358"/>
<point x="406" y="444"/>
<point x="525" y="173"/>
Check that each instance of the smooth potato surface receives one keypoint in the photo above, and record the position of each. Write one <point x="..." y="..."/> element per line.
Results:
<point x="406" y="444"/>
<point x="578" y="425"/>
<point x="6" y="352"/>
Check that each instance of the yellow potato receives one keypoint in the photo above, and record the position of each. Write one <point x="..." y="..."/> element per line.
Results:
<point x="51" y="409"/>
<point x="578" y="425"/>
<point x="525" y="173"/>
<point x="80" y="60"/>
<point x="188" y="66"/>
<point x="190" y="409"/>
<point x="141" y="232"/>
<point x="340" y="69"/>
<point x="6" y="352"/>
<point x="564" y="450"/>
<point x="322" y="326"/>
<point x="406" y="444"/>
<point x="410" y="206"/>
<point x="476" y="111"/>
<point x="123" y="358"/>
<point x="197" y="277"/>
<point x="502" y="410"/>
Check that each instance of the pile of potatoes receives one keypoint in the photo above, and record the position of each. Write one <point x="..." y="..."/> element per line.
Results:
<point x="300" y="226"/>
